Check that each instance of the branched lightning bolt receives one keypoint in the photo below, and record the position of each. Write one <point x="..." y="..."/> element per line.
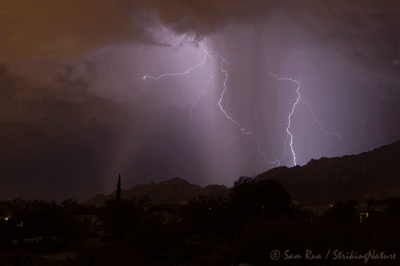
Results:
<point x="298" y="99"/>
<point x="207" y="55"/>
<point x="181" y="74"/>
<point x="242" y="129"/>
<point x="198" y="98"/>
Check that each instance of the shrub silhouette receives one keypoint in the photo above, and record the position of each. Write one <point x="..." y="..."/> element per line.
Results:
<point x="118" y="217"/>
<point x="208" y="214"/>
<point x="249" y="198"/>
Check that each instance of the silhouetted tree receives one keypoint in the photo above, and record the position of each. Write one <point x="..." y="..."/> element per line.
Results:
<point x="69" y="204"/>
<point x="243" y="180"/>
<point x="31" y="218"/>
<point x="155" y="239"/>
<point x="120" y="217"/>
<point x="118" y="198"/>
<point x="208" y="213"/>
<point x="249" y="197"/>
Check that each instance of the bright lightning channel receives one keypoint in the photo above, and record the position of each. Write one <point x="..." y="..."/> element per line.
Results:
<point x="242" y="129"/>
<point x="208" y="55"/>
<point x="299" y="99"/>
<point x="198" y="98"/>
<point x="181" y="74"/>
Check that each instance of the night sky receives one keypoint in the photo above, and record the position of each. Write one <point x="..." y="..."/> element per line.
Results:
<point x="76" y="109"/>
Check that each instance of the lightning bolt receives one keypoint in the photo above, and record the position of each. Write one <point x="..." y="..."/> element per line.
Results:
<point x="183" y="73"/>
<point x="242" y="129"/>
<point x="198" y="98"/>
<point x="208" y="55"/>
<point x="298" y="100"/>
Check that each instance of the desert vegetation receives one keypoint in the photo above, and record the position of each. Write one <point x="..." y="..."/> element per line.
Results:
<point x="256" y="218"/>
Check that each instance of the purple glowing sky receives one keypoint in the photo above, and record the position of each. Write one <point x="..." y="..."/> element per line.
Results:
<point x="76" y="111"/>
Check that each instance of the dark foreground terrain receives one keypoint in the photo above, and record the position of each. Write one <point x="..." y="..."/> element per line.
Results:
<point x="281" y="217"/>
<point x="258" y="223"/>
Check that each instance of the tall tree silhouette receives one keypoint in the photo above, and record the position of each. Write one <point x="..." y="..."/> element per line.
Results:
<point x="118" y="198"/>
<point x="116" y="208"/>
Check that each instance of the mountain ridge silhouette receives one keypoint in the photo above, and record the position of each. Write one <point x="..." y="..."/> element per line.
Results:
<point x="321" y="181"/>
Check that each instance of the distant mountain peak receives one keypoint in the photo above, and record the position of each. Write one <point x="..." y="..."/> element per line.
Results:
<point x="374" y="173"/>
<point x="321" y="181"/>
<point x="175" y="190"/>
<point x="176" y="180"/>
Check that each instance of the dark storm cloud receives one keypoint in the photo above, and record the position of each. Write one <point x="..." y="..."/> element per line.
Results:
<point x="375" y="44"/>
<point x="366" y="31"/>
<point x="67" y="100"/>
<point x="67" y="28"/>
<point x="75" y="109"/>
<point x="363" y="33"/>
<point x="201" y="18"/>
<point x="52" y="137"/>
<point x="57" y="29"/>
